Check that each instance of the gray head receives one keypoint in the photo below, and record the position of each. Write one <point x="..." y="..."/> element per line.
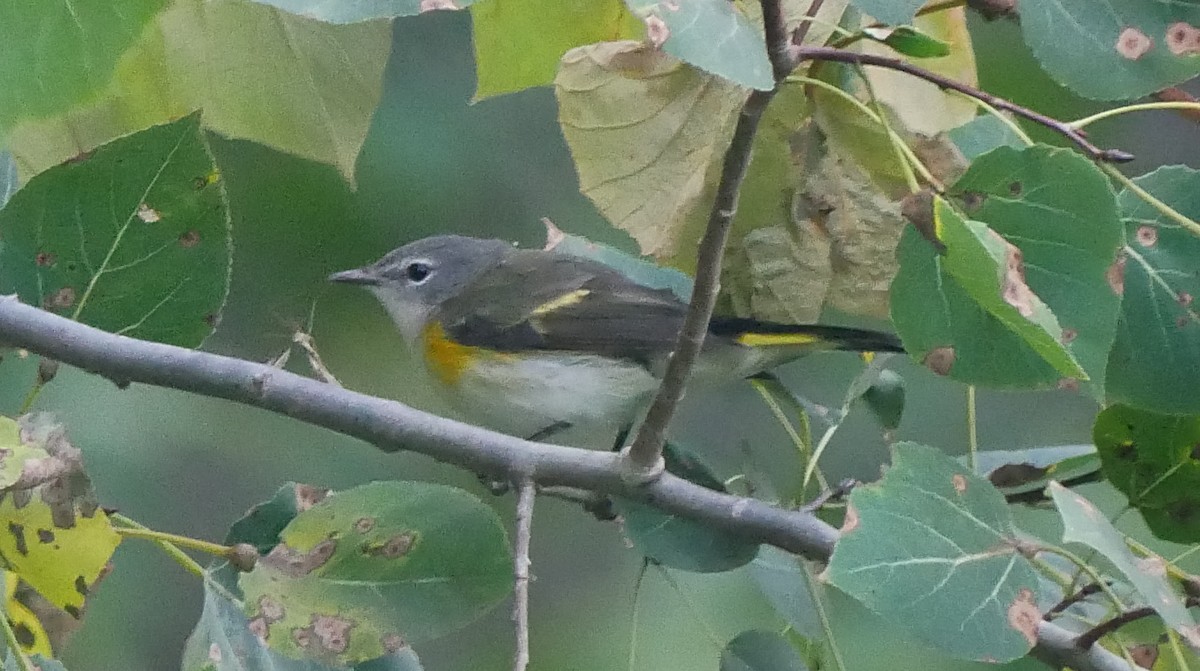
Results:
<point x="414" y="279"/>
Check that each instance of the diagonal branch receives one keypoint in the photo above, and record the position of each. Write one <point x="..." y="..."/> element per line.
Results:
<point x="393" y="426"/>
<point x="1061" y="127"/>
<point x="645" y="452"/>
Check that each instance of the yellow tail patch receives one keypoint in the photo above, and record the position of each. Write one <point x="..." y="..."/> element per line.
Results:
<point x="777" y="339"/>
<point x="447" y="360"/>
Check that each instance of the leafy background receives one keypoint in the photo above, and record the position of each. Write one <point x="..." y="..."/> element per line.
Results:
<point x="431" y="163"/>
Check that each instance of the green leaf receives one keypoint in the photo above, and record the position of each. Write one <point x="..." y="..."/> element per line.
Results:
<point x="376" y="568"/>
<point x="894" y="12"/>
<point x="909" y="41"/>
<point x="518" y="43"/>
<point x="712" y="35"/>
<point x="1157" y="346"/>
<point x="262" y="74"/>
<point x="262" y="524"/>
<point x="1057" y="209"/>
<point x="31" y="635"/>
<point x="1119" y="51"/>
<point x="59" y="541"/>
<point x="992" y="273"/>
<point x="353" y="11"/>
<point x="57" y="54"/>
<point x="640" y="270"/>
<point x="757" y="650"/>
<point x="780" y="577"/>
<point x="1084" y="523"/>
<point x="681" y="543"/>
<point x="885" y="399"/>
<point x="132" y="238"/>
<point x="933" y="548"/>
<point x="223" y="641"/>
<point x="983" y="134"/>
<point x="1153" y="460"/>
<point x="644" y="130"/>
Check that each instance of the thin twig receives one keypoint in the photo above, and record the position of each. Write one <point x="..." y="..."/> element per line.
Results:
<point x="1079" y="595"/>
<point x="1061" y="127"/>
<point x="393" y="426"/>
<point x="525" y="491"/>
<point x="1091" y="636"/>
<point x="644" y="455"/>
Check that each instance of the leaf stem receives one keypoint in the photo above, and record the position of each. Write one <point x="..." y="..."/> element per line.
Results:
<point x="1140" y="107"/>
<point x="1167" y="211"/>
<point x="972" y="431"/>
<point x="814" y="590"/>
<point x="991" y="109"/>
<point x="167" y="542"/>
<point x="1064" y="129"/>
<point x="1090" y="572"/>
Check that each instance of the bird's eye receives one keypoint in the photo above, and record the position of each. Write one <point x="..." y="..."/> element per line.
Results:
<point x="417" y="271"/>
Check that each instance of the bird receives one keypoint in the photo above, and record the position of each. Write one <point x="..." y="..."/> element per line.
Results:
<point x="531" y="342"/>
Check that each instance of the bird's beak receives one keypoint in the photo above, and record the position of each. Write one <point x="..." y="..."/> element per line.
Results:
<point x="361" y="276"/>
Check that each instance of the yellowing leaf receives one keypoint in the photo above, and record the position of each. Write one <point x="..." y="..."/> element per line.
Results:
<point x="58" y="539"/>
<point x="644" y="130"/>
<point x="30" y="632"/>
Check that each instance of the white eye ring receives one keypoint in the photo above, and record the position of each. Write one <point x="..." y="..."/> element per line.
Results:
<point x="418" y="271"/>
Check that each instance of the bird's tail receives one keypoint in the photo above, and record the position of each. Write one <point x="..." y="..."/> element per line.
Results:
<point x="754" y="333"/>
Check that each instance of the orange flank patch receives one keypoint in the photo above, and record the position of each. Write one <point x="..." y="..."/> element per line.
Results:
<point x="447" y="360"/>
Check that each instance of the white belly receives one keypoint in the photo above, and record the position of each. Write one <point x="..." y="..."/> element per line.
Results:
<point x="522" y="396"/>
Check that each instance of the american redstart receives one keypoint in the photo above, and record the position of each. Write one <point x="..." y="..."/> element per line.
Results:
<point x="529" y="341"/>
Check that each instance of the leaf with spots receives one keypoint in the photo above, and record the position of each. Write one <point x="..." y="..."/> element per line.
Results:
<point x="518" y="43"/>
<point x="1114" y="50"/>
<point x="132" y="239"/>
<point x="1157" y="350"/>
<point x="933" y="547"/>
<point x="353" y="11"/>
<point x="757" y="650"/>
<point x="990" y="272"/>
<point x="223" y="640"/>
<point x="1054" y="215"/>
<point x="373" y="569"/>
<point x="29" y="631"/>
<point x="66" y="50"/>
<point x="681" y="543"/>
<point x="53" y="534"/>
<point x="1154" y="460"/>
<point x="712" y="35"/>
<point x="1084" y="523"/>
<point x="296" y="84"/>
<point x="262" y="524"/>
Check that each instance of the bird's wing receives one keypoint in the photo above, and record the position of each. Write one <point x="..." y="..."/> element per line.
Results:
<point x="536" y="300"/>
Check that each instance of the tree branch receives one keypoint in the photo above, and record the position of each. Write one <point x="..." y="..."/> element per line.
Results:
<point x="393" y="426"/>
<point x="645" y="452"/>
<point x="1060" y="127"/>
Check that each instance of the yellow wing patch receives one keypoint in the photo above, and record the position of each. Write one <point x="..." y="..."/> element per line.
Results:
<point x="565" y="300"/>
<point x="777" y="339"/>
<point x="447" y="360"/>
